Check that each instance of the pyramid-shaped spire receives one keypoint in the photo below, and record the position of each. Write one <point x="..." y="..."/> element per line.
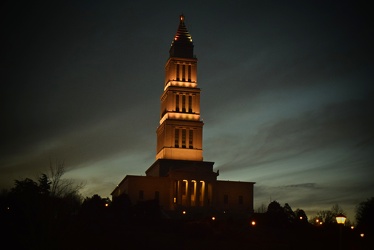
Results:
<point x="182" y="45"/>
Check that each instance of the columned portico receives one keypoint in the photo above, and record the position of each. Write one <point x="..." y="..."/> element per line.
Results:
<point x="190" y="193"/>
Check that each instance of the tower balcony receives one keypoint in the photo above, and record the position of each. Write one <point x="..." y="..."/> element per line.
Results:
<point x="185" y="84"/>
<point x="180" y="154"/>
<point x="180" y="116"/>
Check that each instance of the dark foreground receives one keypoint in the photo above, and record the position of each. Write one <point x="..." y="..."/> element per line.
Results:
<point x="148" y="233"/>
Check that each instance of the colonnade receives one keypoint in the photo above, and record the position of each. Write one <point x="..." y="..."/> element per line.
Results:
<point x="191" y="193"/>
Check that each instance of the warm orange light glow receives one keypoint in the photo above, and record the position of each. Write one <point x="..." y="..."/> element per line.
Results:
<point x="362" y="235"/>
<point x="340" y="218"/>
<point x="301" y="217"/>
<point x="202" y="193"/>
<point x="253" y="223"/>
<point x="321" y="223"/>
<point x="213" y="218"/>
<point x="180" y="84"/>
<point x="317" y="220"/>
<point x="179" y="116"/>
<point x="106" y="204"/>
<point x="187" y="187"/>
<point x="184" y="212"/>
<point x="175" y="199"/>
<point x="352" y="227"/>
<point x="180" y="153"/>
<point x="193" y="192"/>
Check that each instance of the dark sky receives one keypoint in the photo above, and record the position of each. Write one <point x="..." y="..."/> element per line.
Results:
<point x="287" y="93"/>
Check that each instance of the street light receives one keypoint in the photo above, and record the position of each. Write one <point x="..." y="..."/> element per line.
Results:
<point x="340" y="219"/>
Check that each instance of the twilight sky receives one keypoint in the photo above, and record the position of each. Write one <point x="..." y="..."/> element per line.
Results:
<point x="287" y="93"/>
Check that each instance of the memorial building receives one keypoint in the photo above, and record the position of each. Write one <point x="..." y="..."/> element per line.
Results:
<point x="180" y="179"/>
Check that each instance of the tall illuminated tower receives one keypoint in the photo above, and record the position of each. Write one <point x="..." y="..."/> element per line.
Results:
<point x="179" y="179"/>
<point x="179" y="135"/>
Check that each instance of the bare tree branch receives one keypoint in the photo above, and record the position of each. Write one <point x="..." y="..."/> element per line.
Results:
<point x="62" y="187"/>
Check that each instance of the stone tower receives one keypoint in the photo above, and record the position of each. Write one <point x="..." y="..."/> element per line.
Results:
<point x="179" y="135"/>
<point x="179" y="179"/>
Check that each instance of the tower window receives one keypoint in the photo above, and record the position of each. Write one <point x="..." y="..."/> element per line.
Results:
<point x="190" y="138"/>
<point x="183" y="103"/>
<point x="183" y="72"/>
<point x="177" y="72"/>
<point x="189" y="73"/>
<point x="177" y="103"/>
<point x="190" y="104"/>
<point x="176" y="138"/>
<point x="183" y="138"/>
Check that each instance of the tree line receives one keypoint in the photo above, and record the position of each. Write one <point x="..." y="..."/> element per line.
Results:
<point x="51" y="209"/>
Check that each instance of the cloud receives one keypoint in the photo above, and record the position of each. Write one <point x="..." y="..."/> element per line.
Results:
<point x="335" y="125"/>
<point x="301" y="185"/>
<point x="314" y="197"/>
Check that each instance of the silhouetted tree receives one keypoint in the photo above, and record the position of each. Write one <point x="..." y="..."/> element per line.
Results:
<point x="328" y="217"/>
<point x="365" y="215"/>
<point x="336" y="209"/>
<point x="261" y="209"/>
<point x="25" y="187"/>
<point x="62" y="187"/>
<point x="94" y="206"/>
<point x="4" y="200"/>
<point x="121" y="208"/>
<point x="290" y="215"/>
<point x="34" y="214"/>
<point x="24" y="199"/>
<point x="94" y="216"/>
<point x="274" y="207"/>
<point x="44" y="185"/>
<point x="27" y="208"/>
<point x="276" y="215"/>
<point x="284" y="216"/>
<point x="301" y="216"/>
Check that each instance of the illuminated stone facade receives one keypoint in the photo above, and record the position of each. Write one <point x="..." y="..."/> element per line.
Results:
<point x="179" y="178"/>
<point x="180" y="133"/>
